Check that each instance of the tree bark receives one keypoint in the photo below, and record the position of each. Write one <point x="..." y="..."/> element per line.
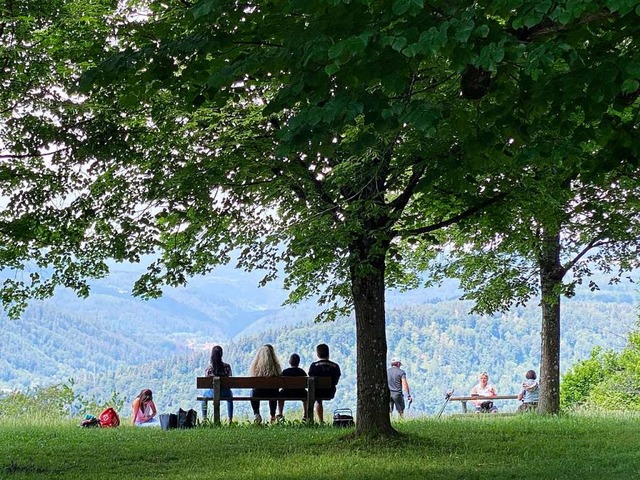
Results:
<point x="368" y="289"/>
<point x="551" y="274"/>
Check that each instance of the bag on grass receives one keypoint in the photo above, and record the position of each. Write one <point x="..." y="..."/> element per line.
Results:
<point x="168" y="421"/>
<point x="90" y="421"/>
<point x="486" y="406"/>
<point x="343" y="417"/>
<point x="109" y="418"/>
<point x="187" y="419"/>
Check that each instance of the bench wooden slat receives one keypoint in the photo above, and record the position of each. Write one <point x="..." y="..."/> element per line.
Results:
<point x="263" y="382"/>
<point x="244" y="399"/>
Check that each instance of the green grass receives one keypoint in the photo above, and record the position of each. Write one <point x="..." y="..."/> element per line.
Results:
<point x="475" y="447"/>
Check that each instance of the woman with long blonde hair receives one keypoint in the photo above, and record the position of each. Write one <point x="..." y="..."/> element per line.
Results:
<point x="265" y="364"/>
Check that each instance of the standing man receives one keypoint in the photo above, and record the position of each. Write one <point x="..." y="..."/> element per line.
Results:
<point x="324" y="368"/>
<point x="397" y="379"/>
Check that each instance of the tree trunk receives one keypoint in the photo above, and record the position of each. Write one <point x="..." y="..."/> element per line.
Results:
<point x="551" y="274"/>
<point x="368" y="289"/>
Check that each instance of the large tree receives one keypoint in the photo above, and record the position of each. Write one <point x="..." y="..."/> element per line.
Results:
<point x="574" y="208"/>
<point x="300" y="133"/>
<point x="540" y="244"/>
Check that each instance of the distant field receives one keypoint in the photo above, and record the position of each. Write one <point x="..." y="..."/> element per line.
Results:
<point x="475" y="447"/>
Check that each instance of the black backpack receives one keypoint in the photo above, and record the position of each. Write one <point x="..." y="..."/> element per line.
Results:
<point x="187" y="419"/>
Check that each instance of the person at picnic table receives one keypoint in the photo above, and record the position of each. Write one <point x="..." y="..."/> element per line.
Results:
<point x="293" y="371"/>
<point x="265" y="364"/>
<point x="484" y="389"/>
<point x="324" y="368"/>
<point x="530" y="392"/>
<point x="218" y="368"/>
<point x="144" y="410"/>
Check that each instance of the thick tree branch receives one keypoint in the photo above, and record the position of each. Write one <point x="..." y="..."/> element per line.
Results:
<point x="453" y="220"/>
<point x="401" y="201"/>
<point x="549" y="27"/>
<point x="33" y="155"/>
<point x="594" y="243"/>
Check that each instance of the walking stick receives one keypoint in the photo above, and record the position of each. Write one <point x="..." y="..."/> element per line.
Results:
<point x="446" y="400"/>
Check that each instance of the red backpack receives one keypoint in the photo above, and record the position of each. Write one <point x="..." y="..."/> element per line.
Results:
<point x="109" y="418"/>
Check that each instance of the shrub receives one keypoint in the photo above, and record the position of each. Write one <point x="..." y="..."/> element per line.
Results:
<point x="53" y="401"/>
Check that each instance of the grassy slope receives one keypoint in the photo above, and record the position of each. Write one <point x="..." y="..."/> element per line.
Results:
<point x="476" y="447"/>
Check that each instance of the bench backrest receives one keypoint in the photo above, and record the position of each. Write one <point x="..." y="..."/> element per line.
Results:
<point x="264" y="382"/>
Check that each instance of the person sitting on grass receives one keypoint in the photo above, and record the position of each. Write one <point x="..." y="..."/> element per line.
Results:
<point x="144" y="410"/>
<point x="293" y="371"/>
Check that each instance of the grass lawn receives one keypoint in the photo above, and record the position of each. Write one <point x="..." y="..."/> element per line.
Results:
<point x="474" y="447"/>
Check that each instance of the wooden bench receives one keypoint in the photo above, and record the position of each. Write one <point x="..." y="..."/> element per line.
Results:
<point x="464" y="400"/>
<point x="311" y="384"/>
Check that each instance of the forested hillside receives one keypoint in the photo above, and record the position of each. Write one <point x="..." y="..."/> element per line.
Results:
<point x="440" y="344"/>
<point x="66" y="336"/>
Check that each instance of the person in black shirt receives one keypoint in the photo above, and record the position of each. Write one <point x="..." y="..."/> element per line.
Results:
<point x="324" y="368"/>
<point x="293" y="371"/>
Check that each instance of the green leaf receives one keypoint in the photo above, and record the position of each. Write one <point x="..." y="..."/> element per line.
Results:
<point x="533" y="19"/>
<point x="331" y="69"/>
<point x="482" y="31"/>
<point x="630" y="85"/>
<point x="543" y="7"/>
<point x="400" y="7"/>
<point x="399" y="43"/>
<point x="202" y="9"/>
<point x="463" y="34"/>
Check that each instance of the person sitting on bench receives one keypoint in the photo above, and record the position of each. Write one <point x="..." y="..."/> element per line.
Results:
<point x="293" y="371"/>
<point x="218" y="368"/>
<point x="530" y="393"/>
<point x="324" y="368"/>
<point x="265" y="364"/>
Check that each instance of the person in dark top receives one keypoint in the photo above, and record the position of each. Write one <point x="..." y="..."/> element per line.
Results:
<point x="324" y="368"/>
<point x="293" y="371"/>
<point x="218" y="368"/>
<point x="397" y="379"/>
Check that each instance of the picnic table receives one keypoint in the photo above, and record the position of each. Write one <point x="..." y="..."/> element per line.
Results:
<point x="464" y="400"/>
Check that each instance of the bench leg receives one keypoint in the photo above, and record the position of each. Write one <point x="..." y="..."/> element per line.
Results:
<point x="216" y="401"/>
<point x="464" y="406"/>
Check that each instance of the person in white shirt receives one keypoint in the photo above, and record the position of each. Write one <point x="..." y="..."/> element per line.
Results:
<point x="484" y="389"/>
